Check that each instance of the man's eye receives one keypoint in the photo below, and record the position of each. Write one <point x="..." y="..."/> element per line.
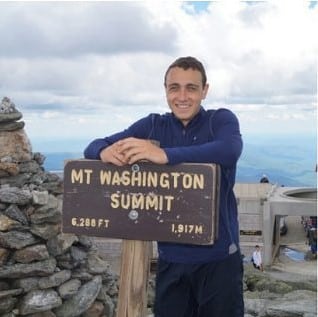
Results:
<point x="173" y="88"/>
<point x="192" y="88"/>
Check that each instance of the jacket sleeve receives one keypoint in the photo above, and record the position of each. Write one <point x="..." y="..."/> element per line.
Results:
<point x="225" y="148"/>
<point x="140" y="129"/>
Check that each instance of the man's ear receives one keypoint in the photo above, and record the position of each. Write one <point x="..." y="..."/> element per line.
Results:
<point x="205" y="90"/>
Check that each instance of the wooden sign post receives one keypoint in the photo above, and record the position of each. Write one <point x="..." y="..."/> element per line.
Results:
<point x="140" y="203"/>
<point x="134" y="274"/>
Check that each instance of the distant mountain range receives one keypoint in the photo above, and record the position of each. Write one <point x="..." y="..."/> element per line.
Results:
<point x="290" y="161"/>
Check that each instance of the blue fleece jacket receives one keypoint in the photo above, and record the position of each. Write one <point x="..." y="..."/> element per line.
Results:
<point x="212" y="136"/>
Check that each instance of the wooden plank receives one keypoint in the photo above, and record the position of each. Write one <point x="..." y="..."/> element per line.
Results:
<point x="135" y="267"/>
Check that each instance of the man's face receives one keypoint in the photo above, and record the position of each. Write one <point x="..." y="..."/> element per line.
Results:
<point x="184" y="92"/>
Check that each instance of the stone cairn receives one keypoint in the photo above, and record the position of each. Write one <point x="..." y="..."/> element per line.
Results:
<point x="43" y="272"/>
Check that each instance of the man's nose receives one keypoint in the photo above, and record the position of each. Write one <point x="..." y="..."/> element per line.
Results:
<point x="182" y="94"/>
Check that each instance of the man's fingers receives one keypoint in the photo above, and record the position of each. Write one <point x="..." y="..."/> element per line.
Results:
<point x="134" y="150"/>
<point x="127" y="144"/>
<point x="112" y="155"/>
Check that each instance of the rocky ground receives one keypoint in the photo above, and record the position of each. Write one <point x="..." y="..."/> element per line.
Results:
<point x="295" y="280"/>
<point x="288" y="288"/>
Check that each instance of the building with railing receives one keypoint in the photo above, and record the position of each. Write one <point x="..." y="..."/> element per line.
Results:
<point x="261" y="208"/>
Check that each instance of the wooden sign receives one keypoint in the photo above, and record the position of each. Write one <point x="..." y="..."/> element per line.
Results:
<point x="144" y="201"/>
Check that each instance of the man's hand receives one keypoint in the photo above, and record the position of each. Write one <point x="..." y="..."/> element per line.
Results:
<point x="133" y="150"/>
<point x="112" y="154"/>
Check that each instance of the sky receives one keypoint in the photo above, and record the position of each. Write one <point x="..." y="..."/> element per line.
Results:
<point x="82" y="70"/>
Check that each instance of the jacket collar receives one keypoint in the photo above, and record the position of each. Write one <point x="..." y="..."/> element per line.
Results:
<point x="197" y="118"/>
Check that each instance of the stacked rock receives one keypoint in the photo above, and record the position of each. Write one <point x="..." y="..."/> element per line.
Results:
<point x="43" y="272"/>
<point x="15" y="145"/>
<point x="9" y="116"/>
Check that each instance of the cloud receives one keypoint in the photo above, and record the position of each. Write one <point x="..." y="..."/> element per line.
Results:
<point x="101" y="64"/>
<point x="255" y="52"/>
<point x="63" y="29"/>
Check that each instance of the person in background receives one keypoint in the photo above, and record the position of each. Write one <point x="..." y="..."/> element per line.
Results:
<point x="192" y="280"/>
<point x="312" y="241"/>
<point x="264" y="179"/>
<point x="257" y="258"/>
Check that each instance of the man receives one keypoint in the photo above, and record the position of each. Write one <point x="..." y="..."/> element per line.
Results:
<point x="192" y="281"/>
<point x="257" y="258"/>
<point x="312" y="240"/>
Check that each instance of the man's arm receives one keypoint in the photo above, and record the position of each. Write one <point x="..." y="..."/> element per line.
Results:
<point x="97" y="149"/>
<point x="92" y="151"/>
<point x="130" y="146"/>
<point x="224" y="149"/>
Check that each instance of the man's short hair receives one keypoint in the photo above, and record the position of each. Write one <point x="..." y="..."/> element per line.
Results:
<point x="186" y="63"/>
